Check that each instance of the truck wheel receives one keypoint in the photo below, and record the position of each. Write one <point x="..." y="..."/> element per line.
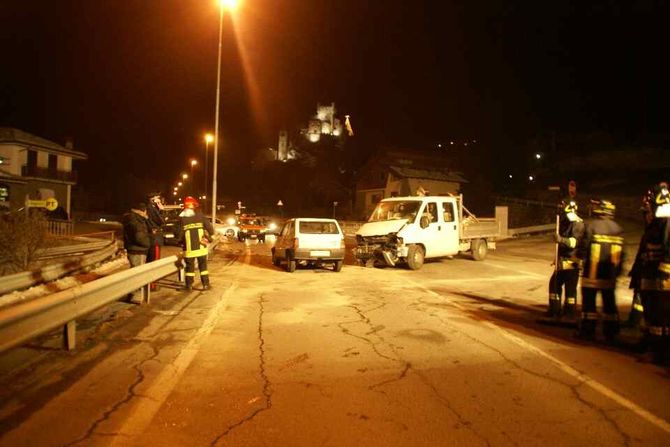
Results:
<point x="415" y="257"/>
<point x="479" y="249"/>
<point x="290" y="265"/>
<point x="338" y="266"/>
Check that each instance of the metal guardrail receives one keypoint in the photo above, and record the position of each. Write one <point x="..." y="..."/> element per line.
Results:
<point x="533" y="229"/>
<point x="24" y="280"/>
<point x="73" y="249"/>
<point x="21" y="322"/>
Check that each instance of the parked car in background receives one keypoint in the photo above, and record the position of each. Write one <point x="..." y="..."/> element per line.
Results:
<point x="309" y="241"/>
<point x="227" y="227"/>
<point x="256" y="227"/>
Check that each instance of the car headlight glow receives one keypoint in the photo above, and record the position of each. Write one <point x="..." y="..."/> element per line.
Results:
<point x="272" y="226"/>
<point x="230" y="221"/>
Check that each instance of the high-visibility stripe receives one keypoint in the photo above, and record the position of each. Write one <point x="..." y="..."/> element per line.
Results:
<point x="193" y="226"/>
<point x="638" y="307"/>
<point x="196" y="253"/>
<point x="568" y="264"/>
<point x="190" y="274"/>
<point x="188" y="243"/>
<point x="572" y="242"/>
<point x="616" y="254"/>
<point x="572" y="300"/>
<point x="595" y="258"/>
<point x="605" y="239"/>
<point x="554" y="297"/>
<point x="664" y="267"/>
<point x="204" y="272"/>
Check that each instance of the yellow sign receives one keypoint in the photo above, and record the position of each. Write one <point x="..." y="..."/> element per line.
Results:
<point x="50" y="204"/>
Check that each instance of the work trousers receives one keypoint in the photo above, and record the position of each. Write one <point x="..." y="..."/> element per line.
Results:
<point x="590" y="314"/>
<point x="657" y="319"/>
<point x="563" y="281"/>
<point x="190" y="270"/>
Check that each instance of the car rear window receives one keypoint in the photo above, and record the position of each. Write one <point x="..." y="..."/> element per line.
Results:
<point x="318" y="228"/>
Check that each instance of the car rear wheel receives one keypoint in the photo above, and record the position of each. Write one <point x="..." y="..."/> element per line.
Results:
<point x="338" y="266"/>
<point x="290" y="265"/>
<point x="415" y="257"/>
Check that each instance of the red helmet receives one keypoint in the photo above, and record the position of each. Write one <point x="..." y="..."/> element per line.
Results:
<point x="190" y="202"/>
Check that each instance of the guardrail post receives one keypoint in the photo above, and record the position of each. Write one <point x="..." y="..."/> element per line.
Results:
<point x="146" y="293"/>
<point x="70" y="335"/>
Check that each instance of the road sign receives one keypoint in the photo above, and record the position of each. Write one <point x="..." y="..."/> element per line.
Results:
<point x="50" y="204"/>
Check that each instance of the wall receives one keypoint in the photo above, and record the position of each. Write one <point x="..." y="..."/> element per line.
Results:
<point x="15" y="159"/>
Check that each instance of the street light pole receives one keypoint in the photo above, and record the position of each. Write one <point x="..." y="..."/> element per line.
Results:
<point x="208" y="139"/>
<point x="216" y="116"/>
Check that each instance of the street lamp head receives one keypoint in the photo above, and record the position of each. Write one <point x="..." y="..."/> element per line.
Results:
<point x="194" y="162"/>
<point x="179" y="183"/>
<point x="230" y="5"/>
<point x="209" y="138"/>
<point x="184" y="176"/>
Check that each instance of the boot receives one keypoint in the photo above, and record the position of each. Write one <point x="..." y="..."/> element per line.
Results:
<point x="587" y="330"/>
<point x="554" y="309"/>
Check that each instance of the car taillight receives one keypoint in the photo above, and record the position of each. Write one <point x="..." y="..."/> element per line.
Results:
<point x="295" y="243"/>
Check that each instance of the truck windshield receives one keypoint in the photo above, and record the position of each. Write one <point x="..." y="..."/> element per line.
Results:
<point x="395" y="210"/>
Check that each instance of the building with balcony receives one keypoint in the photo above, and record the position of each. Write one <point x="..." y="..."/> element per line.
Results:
<point x="36" y="168"/>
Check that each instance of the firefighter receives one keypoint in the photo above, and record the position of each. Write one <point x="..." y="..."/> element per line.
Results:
<point x="601" y="251"/>
<point x="655" y="272"/>
<point x="194" y="232"/>
<point x="566" y="270"/>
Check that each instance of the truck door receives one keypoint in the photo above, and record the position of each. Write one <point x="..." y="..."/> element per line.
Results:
<point x="432" y="234"/>
<point x="449" y="238"/>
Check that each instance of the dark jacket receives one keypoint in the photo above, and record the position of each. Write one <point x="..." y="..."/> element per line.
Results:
<point x="136" y="239"/>
<point x="601" y="250"/>
<point x="654" y="254"/>
<point x="193" y="228"/>
<point x="155" y="224"/>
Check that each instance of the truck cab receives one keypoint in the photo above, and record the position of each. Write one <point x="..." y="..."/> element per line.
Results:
<point x="411" y="229"/>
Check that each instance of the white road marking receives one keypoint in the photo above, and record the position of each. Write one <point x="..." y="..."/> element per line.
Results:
<point x="586" y="380"/>
<point x="497" y="278"/>
<point x="152" y="400"/>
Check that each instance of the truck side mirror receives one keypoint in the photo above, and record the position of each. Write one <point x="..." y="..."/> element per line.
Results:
<point x="424" y="222"/>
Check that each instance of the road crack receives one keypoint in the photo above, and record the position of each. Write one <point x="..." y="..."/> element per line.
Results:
<point x="267" y="385"/>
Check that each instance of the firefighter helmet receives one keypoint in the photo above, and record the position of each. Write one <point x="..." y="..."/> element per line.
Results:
<point x="190" y="202"/>
<point x="602" y="207"/>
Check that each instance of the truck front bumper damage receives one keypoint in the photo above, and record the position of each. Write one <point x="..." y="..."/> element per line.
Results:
<point x="387" y="249"/>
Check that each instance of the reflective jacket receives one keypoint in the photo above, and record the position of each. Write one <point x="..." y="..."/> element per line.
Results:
<point x="194" y="231"/>
<point x="601" y="251"/>
<point x="572" y="233"/>
<point x="654" y="256"/>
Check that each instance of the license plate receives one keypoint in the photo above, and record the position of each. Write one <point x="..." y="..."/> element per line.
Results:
<point x="319" y="253"/>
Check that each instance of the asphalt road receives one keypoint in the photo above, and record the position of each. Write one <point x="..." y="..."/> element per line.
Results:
<point x="452" y="354"/>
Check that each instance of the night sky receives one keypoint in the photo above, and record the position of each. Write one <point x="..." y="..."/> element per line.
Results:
<point x="133" y="81"/>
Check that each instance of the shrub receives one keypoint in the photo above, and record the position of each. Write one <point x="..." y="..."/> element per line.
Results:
<point x="21" y="236"/>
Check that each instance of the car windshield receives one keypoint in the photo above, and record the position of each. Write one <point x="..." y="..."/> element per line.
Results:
<point x="395" y="210"/>
<point x="317" y="228"/>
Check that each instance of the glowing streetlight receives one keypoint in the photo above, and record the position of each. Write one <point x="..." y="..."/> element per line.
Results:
<point x="230" y="5"/>
<point x="184" y="176"/>
<point x="179" y="184"/>
<point x="538" y="156"/>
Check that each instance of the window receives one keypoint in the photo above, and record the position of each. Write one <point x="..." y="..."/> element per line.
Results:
<point x="431" y="211"/>
<point x="318" y="228"/>
<point x="32" y="159"/>
<point x="53" y="162"/>
<point x="4" y="192"/>
<point x="448" y="211"/>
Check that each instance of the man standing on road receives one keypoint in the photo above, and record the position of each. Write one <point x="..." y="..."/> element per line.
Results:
<point x="136" y="239"/>
<point x="654" y="271"/>
<point x="601" y="251"/>
<point x="566" y="271"/>
<point x="195" y="232"/>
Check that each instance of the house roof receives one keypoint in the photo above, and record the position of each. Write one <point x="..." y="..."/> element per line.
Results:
<point x="428" y="174"/>
<point x="16" y="136"/>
